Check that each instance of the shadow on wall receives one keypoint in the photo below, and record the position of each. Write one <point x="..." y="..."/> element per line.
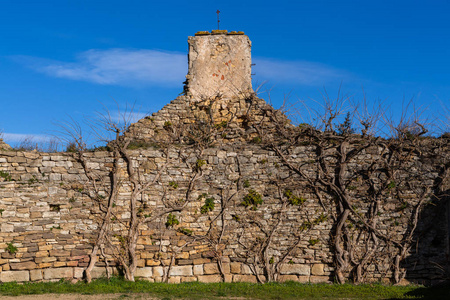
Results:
<point x="430" y="251"/>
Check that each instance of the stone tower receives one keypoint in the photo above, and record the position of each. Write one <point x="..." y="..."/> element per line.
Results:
<point x="219" y="65"/>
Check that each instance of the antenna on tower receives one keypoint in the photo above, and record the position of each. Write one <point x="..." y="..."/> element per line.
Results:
<point x="218" y="19"/>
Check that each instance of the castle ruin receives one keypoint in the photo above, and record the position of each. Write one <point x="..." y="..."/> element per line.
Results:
<point x="220" y="186"/>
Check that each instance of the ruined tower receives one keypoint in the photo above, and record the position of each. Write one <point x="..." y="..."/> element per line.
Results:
<point x="219" y="65"/>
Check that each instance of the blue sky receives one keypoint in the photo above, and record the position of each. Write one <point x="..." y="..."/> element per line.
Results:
<point x="69" y="57"/>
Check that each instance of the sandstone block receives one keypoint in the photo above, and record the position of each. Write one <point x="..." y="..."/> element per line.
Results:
<point x="209" y="278"/>
<point x="303" y="278"/>
<point x="212" y="268"/>
<point x="235" y="267"/>
<point x="7" y="227"/>
<point x="78" y="272"/>
<point x="181" y="271"/>
<point x="319" y="279"/>
<point x="158" y="272"/>
<point x="199" y="261"/>
<point x="176" y="279"/>
<point x="59" y="253"/>
<point x="39" y="260"/>
<point x="317" y="269"/>
<point x="245" y="278"/>
<point x="28" y="265"/>
<point x="36" y="275"/>
<point x="284" y="278"/>
<point x="297" y="269"/>
<point x="188" y="279"/>
<point x="151" y="262"/>
<point x="58" y="264"/>
<point x="198" y="270"/>
<point x="182" y="255"/>
<point x="245" y="269"/>
<point x="19" y="276"/>
<point x="144" y="272"/>
<point x="58" y="273"/>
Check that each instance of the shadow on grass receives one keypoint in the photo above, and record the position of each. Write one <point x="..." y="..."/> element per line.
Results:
<point x="438" y="292"/>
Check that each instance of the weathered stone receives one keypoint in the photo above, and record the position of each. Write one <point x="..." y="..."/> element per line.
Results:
<point x="284" y="278"/>
<point x="19" y="276"/>
<point x="58" y="273"/>
<point x="176" y="279"/>
<point x="36" y="275"/>
<point x="317" y="269"/>
<point x="188" y="279"/>
<point x="319" y="279"/>
<point x="198" y="270"/>
<point x="295" y="269"/>
<point x="28" y="265"/>
<point x="158" y="272"/>
<point x="210" y="268"/>
<point x="78" y="272"/>
<point x="181" y="271"/>
<point x="151" y="262"/>
<point x="245" y="278"/>
<point x="209" y="278"/>
<point x="144" y="272"/>
<point x="235" y="267"/>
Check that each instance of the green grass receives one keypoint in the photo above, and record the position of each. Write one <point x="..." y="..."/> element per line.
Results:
<point x="195" y="290"/>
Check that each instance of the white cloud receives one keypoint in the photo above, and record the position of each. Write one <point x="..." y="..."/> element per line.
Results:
<point x="20" y="137"/>
<point x="116" y="67"/>
<point x="156" y="67"/>
<point x="297" y="72"/>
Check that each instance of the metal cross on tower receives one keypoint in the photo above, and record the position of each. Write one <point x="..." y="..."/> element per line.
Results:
<point x="218" y="20"/>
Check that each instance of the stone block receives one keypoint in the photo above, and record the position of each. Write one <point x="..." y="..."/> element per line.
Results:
<point x="198" y="270"/>
<point x="181" y="271"/>
<point x="151" y="262"/>
<point x="317" y="269"/>
<point x="158" y="272"/>
<point x="7" y="227"/>
<point x="39" y="260"/>
<point x="28" y="265"/>
<point x="188" y="279"/>
<point x="144" y="272"/>
<point x="303" y="278"/>
<point x="19" y="276"/>
<point x="182" y="255"/>
<point x="176" y="279"/>
<point x="59" y="253"/>
<point x="211" y="268"/>
<point x="78" y="272"/>
<point x="58" y="273"/>
<point x="98" y="272"/>
<point x="245" y="278"/>
<point x="36" y="275"/>
<point x="284" y="278"/>
<point x="245" y="270"/>
<point x="319" y="279"/>
<point x="235" y="267"/>
<point x="209" y="278"/>
<point x="297" y="269"/>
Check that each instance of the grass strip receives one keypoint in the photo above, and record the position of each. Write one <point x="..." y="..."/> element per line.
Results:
<point x="197" y="290"/>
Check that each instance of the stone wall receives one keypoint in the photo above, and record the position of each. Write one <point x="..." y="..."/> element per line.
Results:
<point x="228" y="190"/>
<point x="50" y="217"/>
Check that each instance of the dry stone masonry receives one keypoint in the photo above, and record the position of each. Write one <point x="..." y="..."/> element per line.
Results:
<point x="224" y="193"/>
